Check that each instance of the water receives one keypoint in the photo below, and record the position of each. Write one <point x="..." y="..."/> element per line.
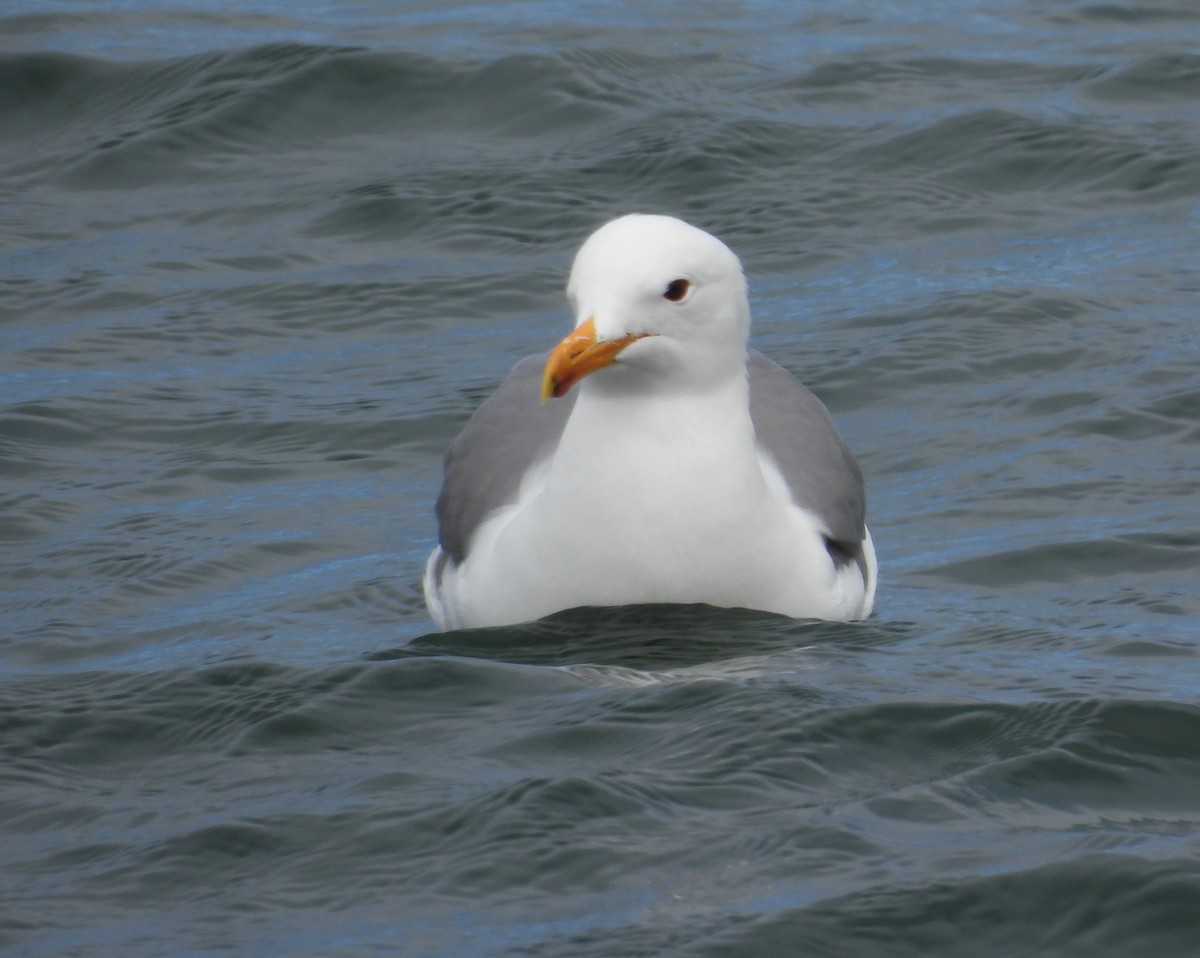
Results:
<point x="258" y="266"/>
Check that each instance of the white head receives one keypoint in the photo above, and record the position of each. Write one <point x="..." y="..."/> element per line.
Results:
<point x="657" y="299"/>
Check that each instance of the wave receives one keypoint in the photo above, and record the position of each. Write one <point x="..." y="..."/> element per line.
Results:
<point x="105" y="124"/>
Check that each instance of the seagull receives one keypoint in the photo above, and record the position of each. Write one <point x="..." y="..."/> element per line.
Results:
<point x="652" y="458"/>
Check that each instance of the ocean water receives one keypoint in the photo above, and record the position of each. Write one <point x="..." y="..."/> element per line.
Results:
<point x="258" y="263"/>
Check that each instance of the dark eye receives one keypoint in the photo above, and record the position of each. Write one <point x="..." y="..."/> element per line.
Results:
<point x="676" y="290"/>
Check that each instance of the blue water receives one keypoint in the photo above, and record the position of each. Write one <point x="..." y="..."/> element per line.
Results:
<point x="257" y="266"/>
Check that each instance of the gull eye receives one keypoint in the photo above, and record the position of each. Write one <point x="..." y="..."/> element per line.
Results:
<point x="677" y="290"/>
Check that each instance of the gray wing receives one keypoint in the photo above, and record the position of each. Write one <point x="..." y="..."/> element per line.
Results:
<point x="796" y="431"/>
<point x="511" y="432"/>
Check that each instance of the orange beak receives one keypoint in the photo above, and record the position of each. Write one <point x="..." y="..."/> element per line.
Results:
<point x="579" y="355"/>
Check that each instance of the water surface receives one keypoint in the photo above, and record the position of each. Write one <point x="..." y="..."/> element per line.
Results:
<point x="258" y="266"/>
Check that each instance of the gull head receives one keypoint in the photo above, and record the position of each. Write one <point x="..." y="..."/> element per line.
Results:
<point x="657" y="302"/>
